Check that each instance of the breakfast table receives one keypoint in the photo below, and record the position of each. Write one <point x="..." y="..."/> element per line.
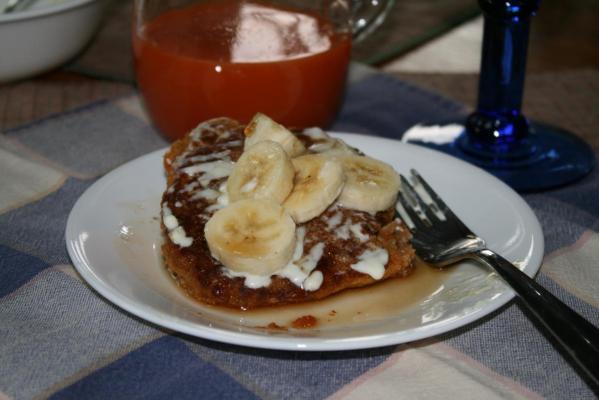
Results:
<point x="59" y="338"/>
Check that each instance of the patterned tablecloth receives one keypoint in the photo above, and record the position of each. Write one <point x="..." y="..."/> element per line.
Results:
<point x="60" y="339"/>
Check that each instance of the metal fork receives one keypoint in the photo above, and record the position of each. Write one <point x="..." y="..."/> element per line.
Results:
<point x="441" y="238"/>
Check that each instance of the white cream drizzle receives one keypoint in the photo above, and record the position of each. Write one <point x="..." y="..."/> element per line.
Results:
<point x="222" y="200"/>
<point x="293" y="273"/>
<point x="251" y="281"/>
<point x="300" y="234"/>
<point x="314" y="281"/>
<point x="208" y="157"/>
<point x="197" y="133"/>
<point x="356" y="229"/>
<point x="342" y="232"/>
<point x="190" y="187"/>
<point x="347" y="230"/>
<point x="208" y="194"/>
<point x="176" y="232"/>
<point x="225" y="134"/>
<point x="178" y="236"/>
<point x="211" y="170"/>
<point x="299" y="269"/>
<point x="309" y="262"/>
<point x="372" y="262"/>
<point x="232" y="143"/>
<point x="170" y="222"/>
<point x="334" y="220"/>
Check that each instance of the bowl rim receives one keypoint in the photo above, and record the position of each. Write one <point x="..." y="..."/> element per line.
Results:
<point x="54" y="9"/>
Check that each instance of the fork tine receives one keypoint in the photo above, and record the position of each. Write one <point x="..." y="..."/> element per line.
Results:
<point x="416" y="221"/>
<point x="441" y="205"/>
<point x="426" y="212"/>
<point x="407" y="203"/>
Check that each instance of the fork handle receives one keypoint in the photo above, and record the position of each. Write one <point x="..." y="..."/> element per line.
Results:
<point x="574" y="334"/>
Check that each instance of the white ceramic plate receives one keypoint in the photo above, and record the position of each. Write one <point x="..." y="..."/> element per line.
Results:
<point x="113" y="238"/>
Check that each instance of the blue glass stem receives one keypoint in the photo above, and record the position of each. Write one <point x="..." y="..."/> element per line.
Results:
<point x="528" y="156"/>
<point x="498" y="127"/>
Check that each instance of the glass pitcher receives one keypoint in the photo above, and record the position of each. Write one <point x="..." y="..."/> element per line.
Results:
<point x="196" y="60"/>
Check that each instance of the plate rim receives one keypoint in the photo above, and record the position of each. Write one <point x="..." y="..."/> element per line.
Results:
<point x="291" y="343"/>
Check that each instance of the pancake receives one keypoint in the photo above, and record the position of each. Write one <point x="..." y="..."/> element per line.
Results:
<point x="197" y="167"/>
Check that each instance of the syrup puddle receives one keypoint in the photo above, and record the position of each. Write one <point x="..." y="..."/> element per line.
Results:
<point x="355" y="306"/>
<point x="138" y="245"/>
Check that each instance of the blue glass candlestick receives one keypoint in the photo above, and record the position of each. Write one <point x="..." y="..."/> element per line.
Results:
<point x="526" y="155"/>
<point x="498" y="126"/>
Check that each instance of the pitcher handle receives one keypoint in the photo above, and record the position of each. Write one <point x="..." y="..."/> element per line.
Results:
<point x="368" y="15"/>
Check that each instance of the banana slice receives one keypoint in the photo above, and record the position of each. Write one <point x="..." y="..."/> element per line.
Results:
<point x="262" y="172"/>
<point x="317" y="183"/>
<point x="263" y="128"/>
<point x="371" y="185"/>
<point x="252" y="236"/>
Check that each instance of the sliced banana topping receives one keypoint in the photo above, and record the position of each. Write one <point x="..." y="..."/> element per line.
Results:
<point x="371" y="185"/>
<point x="262" y="172"/>
<point x="317" y="183"/>
<point x="252" y="236"/>
<point x="263" y="128"/>
<point x="273" y="186"/>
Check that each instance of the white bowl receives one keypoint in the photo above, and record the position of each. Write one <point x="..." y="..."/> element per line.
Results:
<point x="45" y="35"/>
